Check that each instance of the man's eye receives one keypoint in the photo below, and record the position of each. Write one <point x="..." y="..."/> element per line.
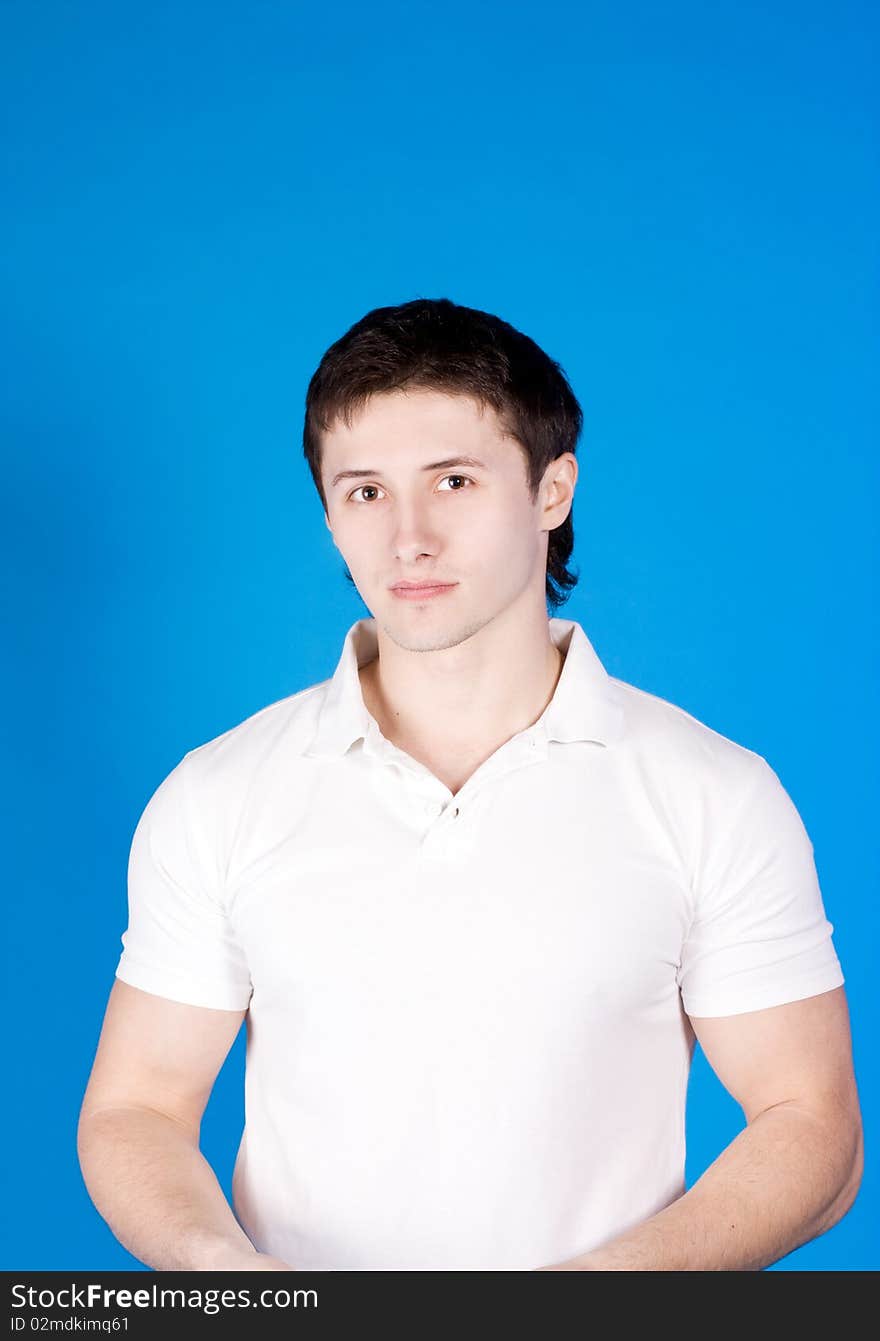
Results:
<point x="360" y="487"/>
<point x="464" y="481"/>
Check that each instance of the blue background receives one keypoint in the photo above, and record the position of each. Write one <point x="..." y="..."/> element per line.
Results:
<point x="678" y="202"/>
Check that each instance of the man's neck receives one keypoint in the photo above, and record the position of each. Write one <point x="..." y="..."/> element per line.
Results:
<point x="463" y="701"/>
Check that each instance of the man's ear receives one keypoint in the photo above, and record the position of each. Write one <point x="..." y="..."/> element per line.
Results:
<point x="559" y="482"/>
<point x="330" y="529"/>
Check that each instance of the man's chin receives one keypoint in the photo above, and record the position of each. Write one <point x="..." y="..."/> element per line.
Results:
<point x="436" y="639"/>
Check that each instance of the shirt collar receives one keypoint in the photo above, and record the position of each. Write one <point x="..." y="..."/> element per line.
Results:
<point x="586" y="704"/>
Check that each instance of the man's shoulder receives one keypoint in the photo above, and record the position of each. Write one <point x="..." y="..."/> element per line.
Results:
<point x="662" y="735"/>
<point x="280" y="732"/>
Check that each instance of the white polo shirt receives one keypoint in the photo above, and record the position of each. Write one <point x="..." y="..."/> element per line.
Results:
<point x="468" y="1041"/>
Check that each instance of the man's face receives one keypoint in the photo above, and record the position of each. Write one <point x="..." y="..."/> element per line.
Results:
<point x="419" y="512"/>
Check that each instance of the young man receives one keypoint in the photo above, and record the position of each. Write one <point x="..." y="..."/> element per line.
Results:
<point x="475" y="898"/>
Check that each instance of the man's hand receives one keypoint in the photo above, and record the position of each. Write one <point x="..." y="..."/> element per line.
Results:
<point x="263" y="1262"/>
<point x="584" y="1263"/>
<point x="236" y="1260"/>
<point x="235" y="1257"/>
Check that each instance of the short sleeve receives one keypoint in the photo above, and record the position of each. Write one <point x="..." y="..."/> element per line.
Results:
<point x="759" y="936"/>
<point x="179" y="942"/>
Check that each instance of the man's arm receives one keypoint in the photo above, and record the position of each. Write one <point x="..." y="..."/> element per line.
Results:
<point x="138" y="1134"/>
<point x="790" y="1175"/>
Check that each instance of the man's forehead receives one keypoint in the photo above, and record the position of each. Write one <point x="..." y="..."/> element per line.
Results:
<point x="420" y="412"/>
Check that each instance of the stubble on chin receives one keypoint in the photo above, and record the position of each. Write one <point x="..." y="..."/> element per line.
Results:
<point x="437" y="640"/>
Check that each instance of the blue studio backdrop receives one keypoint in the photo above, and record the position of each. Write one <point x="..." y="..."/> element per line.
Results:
<point x="678" y="202"/>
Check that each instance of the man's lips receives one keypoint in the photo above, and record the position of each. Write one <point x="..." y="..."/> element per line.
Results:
<point x="420" y="590"/>
<point x="418" y="586"/>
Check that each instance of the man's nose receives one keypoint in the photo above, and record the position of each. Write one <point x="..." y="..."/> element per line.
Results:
<point x="414" y="532"/>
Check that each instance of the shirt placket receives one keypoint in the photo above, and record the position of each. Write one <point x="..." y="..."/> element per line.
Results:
<point x="444" y="819"/>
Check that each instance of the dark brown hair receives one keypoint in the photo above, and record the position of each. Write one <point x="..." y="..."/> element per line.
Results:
<point x="438" y="344"/>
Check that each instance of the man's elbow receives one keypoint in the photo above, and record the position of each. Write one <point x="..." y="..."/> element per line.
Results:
<point x="849" y="1139"/>
<point x="854" y="1181"/>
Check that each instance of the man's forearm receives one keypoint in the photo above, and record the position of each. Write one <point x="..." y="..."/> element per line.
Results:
<point x="157" y="1192"/>
<point x="786" y="1178"/>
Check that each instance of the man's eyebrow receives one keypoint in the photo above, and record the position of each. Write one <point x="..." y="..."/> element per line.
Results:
<point x="470" y="461"/>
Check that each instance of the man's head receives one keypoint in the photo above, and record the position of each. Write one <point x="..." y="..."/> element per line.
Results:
<point x="404" y="392"/>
